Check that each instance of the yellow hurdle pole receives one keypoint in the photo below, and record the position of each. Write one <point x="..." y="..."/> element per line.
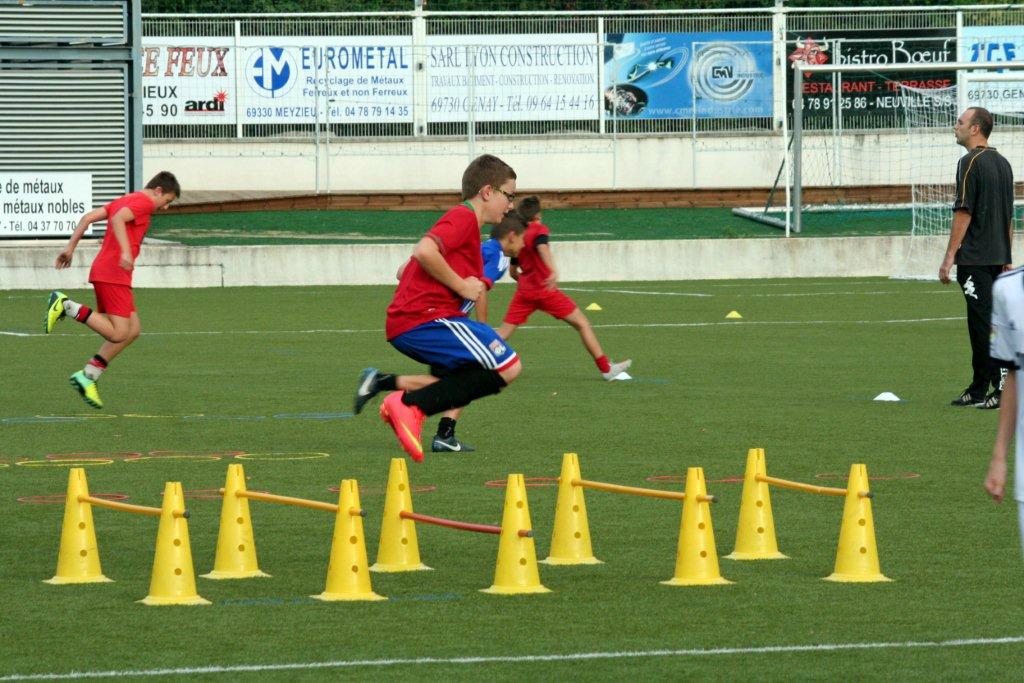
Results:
<point x="797" y="486"/>
<point x="636" y="491"/>
<point x="288" y="500"/>
<point x="128" y="507"/>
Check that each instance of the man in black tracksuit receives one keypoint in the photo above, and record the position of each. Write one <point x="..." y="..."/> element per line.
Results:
<point x="979" y="244"/>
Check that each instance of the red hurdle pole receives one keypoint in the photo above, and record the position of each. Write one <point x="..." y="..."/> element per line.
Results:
<point x="465" y="526"/>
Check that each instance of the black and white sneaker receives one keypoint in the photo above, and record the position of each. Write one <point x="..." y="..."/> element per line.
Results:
<point x="991" y="401"/>
<point x="366" y="389"/>
<point x="450" y="445"/>
<point x="967" y="399"/>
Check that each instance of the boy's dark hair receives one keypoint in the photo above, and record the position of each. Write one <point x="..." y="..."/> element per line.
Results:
<point x="166" y="181"/>
<point x="983" y="119"/>
<point x="486" y="169"/>
<point x="528" y="208"/>
<point x="512" y="222"/>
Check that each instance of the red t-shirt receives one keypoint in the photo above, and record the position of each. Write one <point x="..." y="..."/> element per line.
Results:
<point x="419" y="297"/>
<point x="532" y="271"/>
<point x="105" y="268"/>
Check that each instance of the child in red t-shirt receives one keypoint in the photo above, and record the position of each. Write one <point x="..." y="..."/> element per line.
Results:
<point x="534" y="270"/>
<point x="115" y="318"/>
<point x="426" y="320"/>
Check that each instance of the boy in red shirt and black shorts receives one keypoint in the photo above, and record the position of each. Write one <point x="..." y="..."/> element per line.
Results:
<point x="537" y="289"/>
<point x="115" y="317"/>
<point x="425" y="320"/>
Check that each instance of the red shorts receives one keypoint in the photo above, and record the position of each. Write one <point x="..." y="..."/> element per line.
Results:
<point x="552" y="302"/>
<point x="114" y="299"/>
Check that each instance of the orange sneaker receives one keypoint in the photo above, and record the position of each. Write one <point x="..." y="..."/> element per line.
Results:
<point x="407" y="421"/>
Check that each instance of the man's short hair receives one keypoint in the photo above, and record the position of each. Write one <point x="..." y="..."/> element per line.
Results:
<point x="166" y="181"/>
<point x="528" y="208"/>
<point x="982" y="118"/>
<point x="512" y="222"/>
<point x="486" y="169"/>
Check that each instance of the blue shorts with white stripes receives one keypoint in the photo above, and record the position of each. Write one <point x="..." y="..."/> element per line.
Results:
<point x="454" y="342"/>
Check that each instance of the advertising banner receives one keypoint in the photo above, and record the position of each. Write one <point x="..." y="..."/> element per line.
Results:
<point x="43" y="203"/>
<point x="995" y="44"/>
<point x="188" y="80"/>
<point x="682" y="75"/>
<point x="864" y="95"/>
<point x="526" y="77"/>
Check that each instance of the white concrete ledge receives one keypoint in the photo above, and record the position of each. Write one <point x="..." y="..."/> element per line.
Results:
<point x="30" y="265"/>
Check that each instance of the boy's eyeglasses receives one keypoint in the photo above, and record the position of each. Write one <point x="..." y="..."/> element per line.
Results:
<point x="511" y="196"/>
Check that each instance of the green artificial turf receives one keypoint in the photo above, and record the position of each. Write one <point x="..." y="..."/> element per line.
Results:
<point x="270" y="372"/>
<point x="375" y="227"/>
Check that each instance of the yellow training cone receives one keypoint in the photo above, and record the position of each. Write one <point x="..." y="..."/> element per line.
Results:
<point x="570" y="540"/>
<point x="755" y="533"/>
<point x="516" y="570"/>
<point x="78" y="560"/>
<point x="594" y="307"/>
<point x="857" y="557"/>
<point x="696" y="557"/>
<point x="236" y="547"/>
<point x="348" y="577"/>
<point x="174" y="580"/>
<point x="398" y="550"/>
<point x="733" y="315"/>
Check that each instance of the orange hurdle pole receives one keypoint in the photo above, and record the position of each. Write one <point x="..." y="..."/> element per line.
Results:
<point x="637" y="491"/>
<point x="288" y="500"/>
<point x="128" y="507"/>
<point x="464" y="526"/>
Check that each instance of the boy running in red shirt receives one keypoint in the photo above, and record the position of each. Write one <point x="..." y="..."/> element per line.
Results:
<point x="537" y="290"/>
<point x="115" y="318"/>
<point x="425" y="320"/>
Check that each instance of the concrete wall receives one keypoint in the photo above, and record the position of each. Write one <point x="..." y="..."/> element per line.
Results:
<point x="30" y="265"/>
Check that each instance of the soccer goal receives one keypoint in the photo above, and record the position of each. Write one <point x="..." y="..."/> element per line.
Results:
<point x="873" y="144"/>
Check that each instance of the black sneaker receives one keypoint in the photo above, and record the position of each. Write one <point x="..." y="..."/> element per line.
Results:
<point x="366" y="389"/>
<point x="967" y="399"/>
<point x="450" y="445"/>
<point x="991" y="401"/>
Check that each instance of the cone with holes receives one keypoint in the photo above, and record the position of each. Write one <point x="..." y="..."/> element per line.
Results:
<point x="570" y="540"/>
<point x="399" y="550"/>
<point x="78" y="560"/>
<point x="696" y="556"/>
<point x="236" y="546"/>
<point x="516" y="570"/>
<point x="173" y="581"/>
<point x="857" y="557"/>
<point x="348" y="577"/>
<point x="755" y="533"/>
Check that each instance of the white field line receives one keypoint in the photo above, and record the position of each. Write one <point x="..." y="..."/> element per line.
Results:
<point x="518" y="659"/>
<point x="732" y="323"/>
<point x="771" y="295"/>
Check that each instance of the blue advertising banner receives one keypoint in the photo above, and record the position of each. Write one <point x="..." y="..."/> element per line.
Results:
<point x="682" y="75"/>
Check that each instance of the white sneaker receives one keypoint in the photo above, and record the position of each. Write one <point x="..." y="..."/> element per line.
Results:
<point x="616" y="369"/>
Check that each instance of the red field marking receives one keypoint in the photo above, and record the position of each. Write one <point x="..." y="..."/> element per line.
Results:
<point x="59" y="498"/>
<point x="877" y="477"/>
<point x="179" y="454"/>
<point x="95" y="455"/>
<point x="531" y="482"/>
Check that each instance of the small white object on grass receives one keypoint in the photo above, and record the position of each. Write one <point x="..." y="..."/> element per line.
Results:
<point x="887" y="396"/>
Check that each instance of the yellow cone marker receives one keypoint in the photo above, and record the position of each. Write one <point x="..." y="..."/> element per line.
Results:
<point x="236" y="546"/>
<point x="173" y="581"/>
<point x="78" y="560"/>
<point x="733" y="315"/>
<point x="594" y="307"/>
<point x="755" y="533"/>
<point x="516" y="570"/>
<point x="857" y="557"/>
<point x="348" y="577"/>
<point x="570" y="540"/>
<point x="399" y="550"/>
<point x="696" y="556"/>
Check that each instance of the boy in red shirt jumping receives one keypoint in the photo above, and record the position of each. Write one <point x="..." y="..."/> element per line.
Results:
<point x="425" y="320"/>
<point x="114" y="318"/>
<point x="537" y="289"/>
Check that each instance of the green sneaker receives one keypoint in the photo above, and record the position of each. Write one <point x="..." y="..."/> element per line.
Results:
<point x="54" y="310"/>
<point x="87" y="388"/>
